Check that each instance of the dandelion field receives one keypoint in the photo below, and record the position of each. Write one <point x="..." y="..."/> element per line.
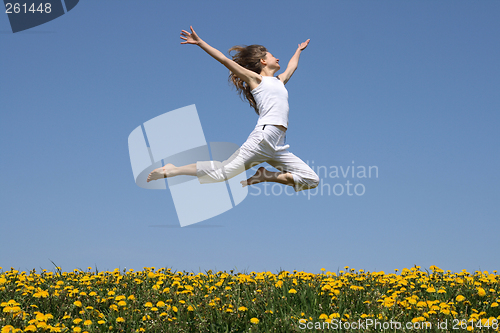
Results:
<point x="166" y="301"/>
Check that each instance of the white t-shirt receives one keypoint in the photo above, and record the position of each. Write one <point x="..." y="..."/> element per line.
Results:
<point x="271" y="97"/>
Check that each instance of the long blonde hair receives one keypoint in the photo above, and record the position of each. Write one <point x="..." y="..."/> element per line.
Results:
<point x="248" y="57"/>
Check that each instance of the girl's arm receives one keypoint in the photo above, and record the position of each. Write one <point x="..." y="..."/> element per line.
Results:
<point x="293" y="63"/>
<point x="251" y="78"/>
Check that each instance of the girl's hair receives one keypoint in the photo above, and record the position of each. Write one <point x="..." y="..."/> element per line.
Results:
<point x="248" y="57"/>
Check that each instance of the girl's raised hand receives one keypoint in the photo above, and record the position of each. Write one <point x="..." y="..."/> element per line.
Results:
<point x="190" y="38"/>
<point x="302" y="46"/>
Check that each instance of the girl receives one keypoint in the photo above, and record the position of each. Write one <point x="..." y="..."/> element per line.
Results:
<point x="252" y="71"/>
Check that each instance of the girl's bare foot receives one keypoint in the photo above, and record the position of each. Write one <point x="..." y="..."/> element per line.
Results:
<point x="260" y="176"/>
<point x="164" y="172"/>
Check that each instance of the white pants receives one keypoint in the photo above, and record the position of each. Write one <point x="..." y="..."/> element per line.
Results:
<point x="265" y="144"/>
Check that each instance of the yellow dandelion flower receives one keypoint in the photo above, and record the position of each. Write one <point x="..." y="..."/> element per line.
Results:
<point x="120" y="320"/>
<point x="323" y="316"/>
<point x="30" y="328"/>
<point x="174" y="308"/>
<point x="481" y="292"/>
<point x="7" y="307"/>
<point x="190" y="308"/>
<point x="242" y="308"/>
<point x="431" y="290"/>
<point x="41" y="325"/>
<point x="389" y="302"/>
<point x="494" y="304"/>
<point x="148" y="305"/>
<point x="7" y="329"/>
<point x="160" y="304"/>
<point x="77" y="329"/>
<point x="87" y="322"/>
<point x="122" y="303"/>
<point x="254" y="320"/>
<point x="41" y="293"/>
<point x="77" y="321"/>
<point x="292" y="291"/>
<point x="78" y="304"/>
<point x="100" y="322"/>
<point x="460" y="298"/>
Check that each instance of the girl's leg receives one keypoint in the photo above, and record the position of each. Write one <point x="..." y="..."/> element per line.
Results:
<point x="264" y="175"/>
<point x="170" y="170"/>
<point x="238" y="162"/>
<point x="296" y="171"/>
<point x="292" y="170"/>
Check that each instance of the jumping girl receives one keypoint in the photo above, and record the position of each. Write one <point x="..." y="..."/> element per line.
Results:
<point x="252" y="71"/>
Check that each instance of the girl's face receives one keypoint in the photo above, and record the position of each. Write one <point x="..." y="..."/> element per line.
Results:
<point x="271" y="61"/>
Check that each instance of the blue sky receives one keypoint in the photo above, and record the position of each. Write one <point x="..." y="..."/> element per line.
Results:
<point x="411" y="87"/>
